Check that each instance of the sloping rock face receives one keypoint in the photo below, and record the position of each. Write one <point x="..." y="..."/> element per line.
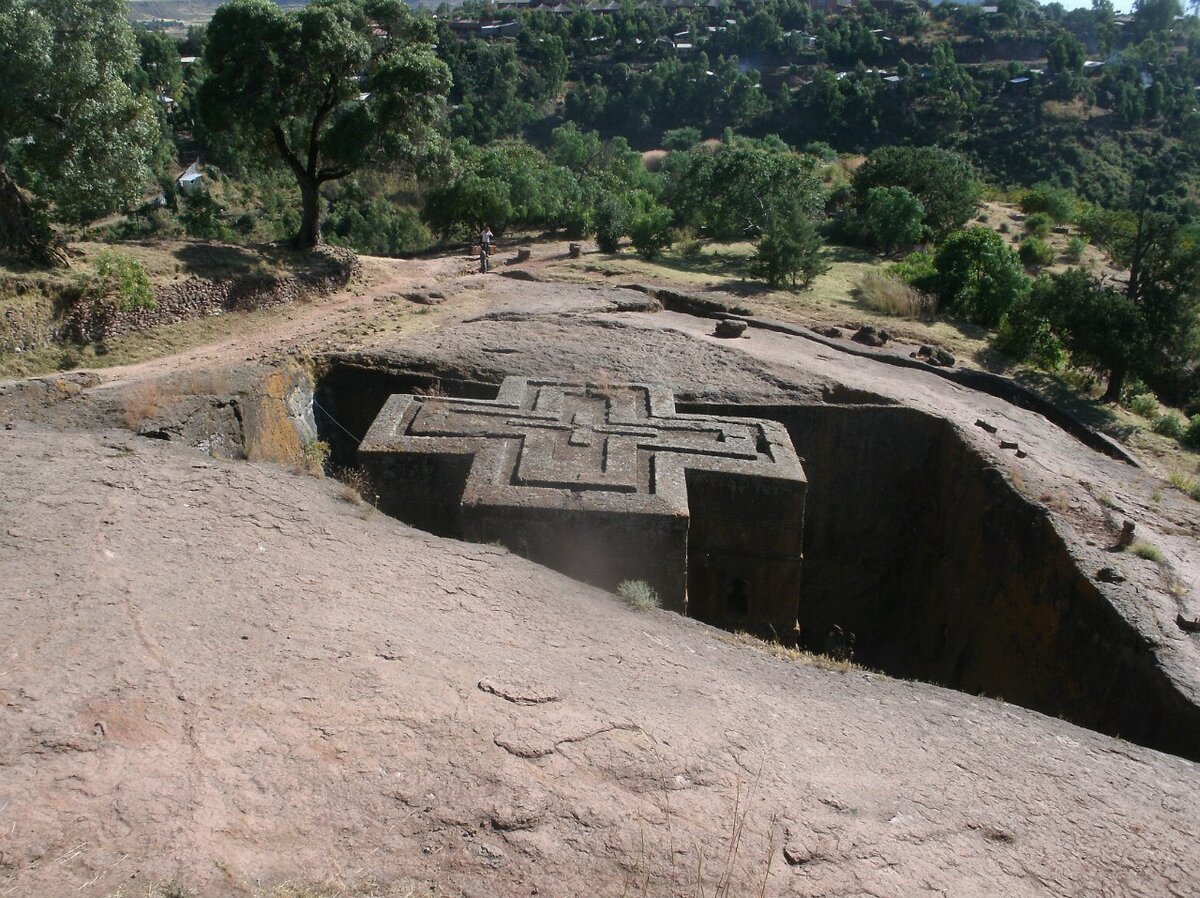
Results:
<point x="964" y="555"/>
<point x="225" y="675"/>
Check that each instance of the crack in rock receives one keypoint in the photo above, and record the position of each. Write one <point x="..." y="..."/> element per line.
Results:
<point x="519" y="692"/>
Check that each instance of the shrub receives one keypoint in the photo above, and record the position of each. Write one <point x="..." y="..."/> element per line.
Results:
<point x="1028" y="336"/>
<point x="1171" y="425"/>
<point x="639" y="594"/>
<point x="979" y="276"/>
<point x="650" y="231"/>
<point x="1075" y="249"/>
<point x="1185" y="484"/>
<point x="687" y="242"/>
<point x="376" y="227"/>
<point x="1144" y="404"/>
<point x="1057" y="204"/>
<point x="611" y="221"/>
<point x="204" y="217"/>
<point x="821" y="150"/>
<point x="892" y="296"/>
<point x="916" y="269"/>
<point x="1036" y="252"/>
<point x="1038" y="224"/>
<point x="1192" y="436"/>
<point x="316" y="454"/>
<point x="681" y="138"/>
<point x="122" y="278"/>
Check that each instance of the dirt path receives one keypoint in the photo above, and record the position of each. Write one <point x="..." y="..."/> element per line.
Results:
<point x="299" y="329"/>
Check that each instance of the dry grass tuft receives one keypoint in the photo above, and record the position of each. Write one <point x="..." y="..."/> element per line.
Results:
<point x="891" y="296"/>
<point x="1185" y="484"/>
<point x="1149" y="551"/>
<point x="1057" y="500"/>
<point x="787" y="653"/>
<point x="639" y="594"/>
<point x="356" y="489"/>
<point x="142" y="402"/>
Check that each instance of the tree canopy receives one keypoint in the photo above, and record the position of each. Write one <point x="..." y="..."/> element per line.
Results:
<point x="325" y="89"/>
<point x="941" y="179"/>
<point x="978" y="275"/>
<point x="71" y="130"/>
<point x="734" y="190"/>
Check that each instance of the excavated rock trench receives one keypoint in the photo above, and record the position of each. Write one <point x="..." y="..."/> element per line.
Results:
<point x="918" y="551"/>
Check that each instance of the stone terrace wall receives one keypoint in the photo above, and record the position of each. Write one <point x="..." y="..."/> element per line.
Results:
<point x="196" y="297"/>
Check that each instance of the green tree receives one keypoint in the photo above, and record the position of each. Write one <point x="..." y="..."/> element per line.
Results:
<point x="1154" y="17"/>
<point x="1098" y="325"/>
<point x="978" y="275"/>
<point x="789" y="249"/>
<point x="611" y="221"/>
<point x="650" y="231"/>
<point x="681" y="138"/>
<point x="82" y="137"/>
<point x="324" y="89"/>
<point x="731" y="192"/>
<point x="158" y="58"/>
<point x="505" y="185"/>
<point x="941" y="179"/>
<point x="1065" y="54"/>
<point x="1163" y="258"/>
<point x="892" y="217"/>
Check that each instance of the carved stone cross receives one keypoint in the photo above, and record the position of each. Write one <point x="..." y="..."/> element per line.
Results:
<point x="605" y="483"/>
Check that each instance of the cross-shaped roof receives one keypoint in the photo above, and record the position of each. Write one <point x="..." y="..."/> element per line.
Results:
<point x="543" y="443"/>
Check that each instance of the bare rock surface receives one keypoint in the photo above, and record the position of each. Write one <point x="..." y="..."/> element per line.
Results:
<point x="226" y="675"/>
<point x="572" y="332"/>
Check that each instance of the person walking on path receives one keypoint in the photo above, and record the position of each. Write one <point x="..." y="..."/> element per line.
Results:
<point x="483" y="259"/>
<point x="485" y="239"/>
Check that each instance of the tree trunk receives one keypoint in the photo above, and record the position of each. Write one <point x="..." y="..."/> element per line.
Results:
<point x="310" y="215"/>
<point x="23" y="231"/>
<point x="1116" y="380"/>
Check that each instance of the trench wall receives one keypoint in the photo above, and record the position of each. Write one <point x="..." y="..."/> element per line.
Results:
<point x="945" y="573"/>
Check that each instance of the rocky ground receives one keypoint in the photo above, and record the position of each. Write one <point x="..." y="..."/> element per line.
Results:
<point x="227" y="675"/>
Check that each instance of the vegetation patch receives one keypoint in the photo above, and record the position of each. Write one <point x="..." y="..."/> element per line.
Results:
<point x="1149" y="551"/>
<point x="892" y="296"/>
<point x="639" y="595"/>
<point x="788" y="653"/>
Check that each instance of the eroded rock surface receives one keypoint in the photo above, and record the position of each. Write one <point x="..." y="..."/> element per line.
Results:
<point x="227" y="675"/>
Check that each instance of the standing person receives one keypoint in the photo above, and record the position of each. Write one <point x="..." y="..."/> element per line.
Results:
<point x="483" y="259"/>
<point x="485" y="239"/>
